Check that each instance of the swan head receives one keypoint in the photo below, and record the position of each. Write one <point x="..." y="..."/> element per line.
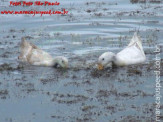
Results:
<point x="105" y="60"/>
<point x="61" y="61"/>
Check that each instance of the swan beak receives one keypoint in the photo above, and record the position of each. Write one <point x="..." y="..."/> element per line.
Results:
<point x="100" y="66"/>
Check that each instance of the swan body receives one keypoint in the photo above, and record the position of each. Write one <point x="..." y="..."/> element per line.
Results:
<point x="33" y="55"/>
<point x="132" y="54"/>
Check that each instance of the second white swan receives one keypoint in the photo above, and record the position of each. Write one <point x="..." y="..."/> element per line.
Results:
<point x="132" y="54"/>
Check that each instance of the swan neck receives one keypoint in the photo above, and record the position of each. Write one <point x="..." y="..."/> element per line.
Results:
<point x="55" y="60"/>
<point x="113" y="57"/>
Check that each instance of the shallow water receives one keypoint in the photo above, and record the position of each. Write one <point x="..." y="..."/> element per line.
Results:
<point x="80" y="93"/>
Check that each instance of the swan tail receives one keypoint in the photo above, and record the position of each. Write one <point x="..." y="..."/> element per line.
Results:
<point x="25" y="48"/>
<point x="24" y="43"/>
<point x="136" y="41"/>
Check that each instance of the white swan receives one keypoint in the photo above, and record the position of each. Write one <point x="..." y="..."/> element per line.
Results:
<point x="132" y="54"/>
<point x="35" y="56"/>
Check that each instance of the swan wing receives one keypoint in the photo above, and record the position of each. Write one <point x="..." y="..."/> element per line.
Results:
<point x="32" y="54"/>
<point x="129" y="56"/>
<point x="40" y="57"/>
<point x="132" y="54"/>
